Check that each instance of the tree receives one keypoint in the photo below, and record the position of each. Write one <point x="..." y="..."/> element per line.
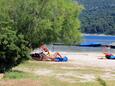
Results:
<point x="13" y="50"/>
<point x="25" y="22"/>
<point x="46" y="20"/>
<point x="98" y="16"/>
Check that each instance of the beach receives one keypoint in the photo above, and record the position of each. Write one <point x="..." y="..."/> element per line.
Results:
<point x="81" y="68"/>
<point x="85" y="56"/>
<point x="89" y="59"/>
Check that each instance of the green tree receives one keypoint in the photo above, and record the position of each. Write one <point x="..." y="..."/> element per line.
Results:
<point x="24" y="22"/>
<point x="98" y="16"/>
<point x="13" y="49"/>
<point x="46" y="20"/>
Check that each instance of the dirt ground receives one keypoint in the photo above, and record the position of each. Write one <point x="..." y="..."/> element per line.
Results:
<point x="19" y="83"/>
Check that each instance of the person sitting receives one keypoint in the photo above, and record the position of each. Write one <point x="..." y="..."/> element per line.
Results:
<point x="43" y="54"/>
<point x="46" y="51"/>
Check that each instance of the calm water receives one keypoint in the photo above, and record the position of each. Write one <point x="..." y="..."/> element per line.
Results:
<point x="99" y="39"/>
<point x="78" y="49"/>
<point x="87" y="39"/>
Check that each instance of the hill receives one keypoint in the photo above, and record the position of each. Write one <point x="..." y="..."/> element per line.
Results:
<point x="98" y="16"/>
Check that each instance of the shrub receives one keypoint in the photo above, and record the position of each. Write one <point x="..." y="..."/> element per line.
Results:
<point x="13" y="49"/>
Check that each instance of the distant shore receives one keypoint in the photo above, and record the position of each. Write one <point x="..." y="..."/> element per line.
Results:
<point x="96" y="35"/>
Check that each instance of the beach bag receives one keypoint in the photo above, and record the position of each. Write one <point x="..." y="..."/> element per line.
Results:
<point x="65" y="59"/>
<point x="59" y="59"/>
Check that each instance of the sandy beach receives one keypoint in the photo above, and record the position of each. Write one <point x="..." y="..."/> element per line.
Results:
<point x="89" y="59"/>
<point x="84" y="56"/>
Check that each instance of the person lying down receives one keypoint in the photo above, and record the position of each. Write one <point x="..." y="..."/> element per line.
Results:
<point x="43" y="54"/>
<point x="108" y="56"/>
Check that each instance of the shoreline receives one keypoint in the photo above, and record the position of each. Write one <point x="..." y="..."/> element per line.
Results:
<point x="84" y="34"/>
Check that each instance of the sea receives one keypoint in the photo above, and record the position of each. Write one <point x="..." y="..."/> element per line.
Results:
<point x="87" y="39"/>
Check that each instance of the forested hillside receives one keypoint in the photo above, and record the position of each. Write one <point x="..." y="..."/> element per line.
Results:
<point x="98" y="16"/>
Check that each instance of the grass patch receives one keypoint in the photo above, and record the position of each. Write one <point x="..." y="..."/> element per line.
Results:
<point x="35" y="64"/>
<point x="15" y="74"/>
<point x="102" y="82"/>
<point x="51" y="81"/>
<point x="58" y="74"/>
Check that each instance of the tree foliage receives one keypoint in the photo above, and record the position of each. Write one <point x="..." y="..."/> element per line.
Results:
<point x="46" y="20"/>
<point x="13" y="49"/>
<point x="25" y="22"/>
<point x="98" y="16"/>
